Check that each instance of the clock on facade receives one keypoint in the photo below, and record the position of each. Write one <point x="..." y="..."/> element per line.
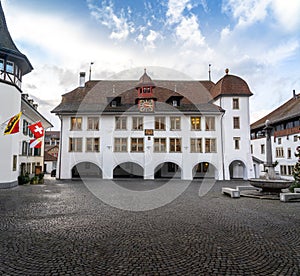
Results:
<point x="146" y="105"/>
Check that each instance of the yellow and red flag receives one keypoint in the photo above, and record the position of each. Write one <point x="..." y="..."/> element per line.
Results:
<point x="13" y="125"/>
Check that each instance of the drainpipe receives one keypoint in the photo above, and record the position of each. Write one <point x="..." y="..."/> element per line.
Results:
<point x="222" y="142"/>
<point x="60" y="146"/>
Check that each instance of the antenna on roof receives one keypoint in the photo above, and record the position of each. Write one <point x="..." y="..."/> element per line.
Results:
<point x="209" y="76"/>
<point x="90" y="75"/>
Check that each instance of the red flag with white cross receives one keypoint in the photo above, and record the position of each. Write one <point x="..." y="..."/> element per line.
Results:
<point x="37" y="129"/>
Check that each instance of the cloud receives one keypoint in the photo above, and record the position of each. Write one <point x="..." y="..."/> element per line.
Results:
<point x="175" y="10"/>
<point x="287" y="14"/>
<point x="119" y="25"/>
<point x="188" y="31"/>
<point x="247" y="12"/>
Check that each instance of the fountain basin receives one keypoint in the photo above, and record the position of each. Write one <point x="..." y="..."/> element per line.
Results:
<point x="270" y="185"/>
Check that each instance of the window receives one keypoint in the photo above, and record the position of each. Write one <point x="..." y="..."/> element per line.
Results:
<point x="1" y="64"/>
<point x="195" y="123"/>
<point x="175" y="103"/>
<point x="25" y="127"/>
<point x="15" y="160"/>
<point x="251" y="148"/>
<point x="9" y="67"/>
<point x="236" y="142"/>
<point x="202" y="167"/>
<point x="137" y="144"/>
<point x="76" y="123"/>
<point x="289" y="153"/>
<point x="24" y="148"/>
<point x="175" y="123"/>
<point x="75" y="144"/>
<point x="92" y="144"/>
<point x="236" y="122"/>
<point x="196" y="144"/>
<point x="283" y="170"/>
<point x="175" y="145"/>
<point x="279" y="152"/>
<point x="146" y="90"/>
<point x="37" y="152"/>
<point x="279" y="141"/>
<point x="137" y="123"/>
<point x="210" y="145"/>
<point x="209" y="123"/>
<point x="160" y="123"/>
<point x="262" y="149"/>
<point x="235" y="103"/>
<point x="120" y="145"/>
<point x="160" y="145"/>
<point x="121" y="123"/>
<point x="290" y="170"/>
<point x="93" y="123"/>
<point x="295" y="138"/>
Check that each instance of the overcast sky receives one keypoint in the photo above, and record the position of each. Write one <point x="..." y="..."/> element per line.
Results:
<point x="257" y="40"/>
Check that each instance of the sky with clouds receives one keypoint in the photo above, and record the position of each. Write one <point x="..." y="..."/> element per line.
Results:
<point x="258" y="40"/>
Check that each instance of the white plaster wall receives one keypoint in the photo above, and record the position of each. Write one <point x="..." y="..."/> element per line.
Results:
<point x="9" y="144"/>
<point x="230" y="153"/>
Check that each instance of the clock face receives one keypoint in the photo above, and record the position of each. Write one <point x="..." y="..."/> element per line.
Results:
<point x="146" y="105"/>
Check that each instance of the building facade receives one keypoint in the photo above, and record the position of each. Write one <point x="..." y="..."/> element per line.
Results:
<point x="156" y="129"/>
<point x="285" y="137"/>
<point x="16" y="157"/>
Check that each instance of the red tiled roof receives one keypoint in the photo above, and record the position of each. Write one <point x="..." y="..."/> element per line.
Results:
<point x="230" y="85"/>
<point x="49" y="157"/>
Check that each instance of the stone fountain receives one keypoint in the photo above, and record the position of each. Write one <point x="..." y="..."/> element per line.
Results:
<point x="270" y="183"/>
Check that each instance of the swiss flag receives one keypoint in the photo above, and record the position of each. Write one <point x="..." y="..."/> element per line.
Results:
<point x="37" y="129"/>
<point x="36" y="143"/>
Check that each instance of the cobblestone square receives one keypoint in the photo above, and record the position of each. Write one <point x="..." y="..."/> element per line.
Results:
<point x="61" y="228"/>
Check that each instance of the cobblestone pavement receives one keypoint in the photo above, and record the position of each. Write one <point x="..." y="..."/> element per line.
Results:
<point x="61" y="228"/>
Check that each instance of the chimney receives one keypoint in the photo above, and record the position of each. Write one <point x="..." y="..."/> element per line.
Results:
<point x="35" y="106"/>
<point x="294" y="94"/>
<point x="81" y="79"/>
<point x="30" y="101"/>
<point x="25" y="96"/>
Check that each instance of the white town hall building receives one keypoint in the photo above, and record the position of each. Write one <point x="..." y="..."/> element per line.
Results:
<point x="155" y="129"/>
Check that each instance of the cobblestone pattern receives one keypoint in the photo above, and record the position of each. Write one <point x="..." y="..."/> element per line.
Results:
<point x="61" y="229"/>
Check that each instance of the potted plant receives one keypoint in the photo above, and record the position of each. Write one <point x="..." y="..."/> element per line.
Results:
<point x="41" y="178"/>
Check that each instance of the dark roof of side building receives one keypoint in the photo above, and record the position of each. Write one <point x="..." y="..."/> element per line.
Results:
<point x="287" y="111"/>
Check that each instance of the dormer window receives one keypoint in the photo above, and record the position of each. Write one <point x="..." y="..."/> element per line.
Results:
<point x="175" y="103"/>
<point x="114" y="101"/>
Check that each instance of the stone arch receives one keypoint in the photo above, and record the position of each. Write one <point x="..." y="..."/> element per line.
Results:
<point x="237" y="170"/>
<point x="167" y="170"/>
<point x="128" y="170"/>
<point x="205" y="170"/>
<point x="86" y="169"/>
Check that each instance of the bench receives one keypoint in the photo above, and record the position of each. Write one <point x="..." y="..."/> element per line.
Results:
<point x="232" y="192"/>
<point x="285" y="197"/>
<point x="247" y="188"/>
<point x="296" y="190"/>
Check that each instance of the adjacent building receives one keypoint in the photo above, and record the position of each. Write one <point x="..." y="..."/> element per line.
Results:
<point x="285" y="138"/>
<point x="156" y="128"/>
<point x="16" y="156"/>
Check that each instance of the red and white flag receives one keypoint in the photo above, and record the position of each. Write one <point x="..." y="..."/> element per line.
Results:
<point x="36" y="143"/>
<point x="37" y="129"/>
